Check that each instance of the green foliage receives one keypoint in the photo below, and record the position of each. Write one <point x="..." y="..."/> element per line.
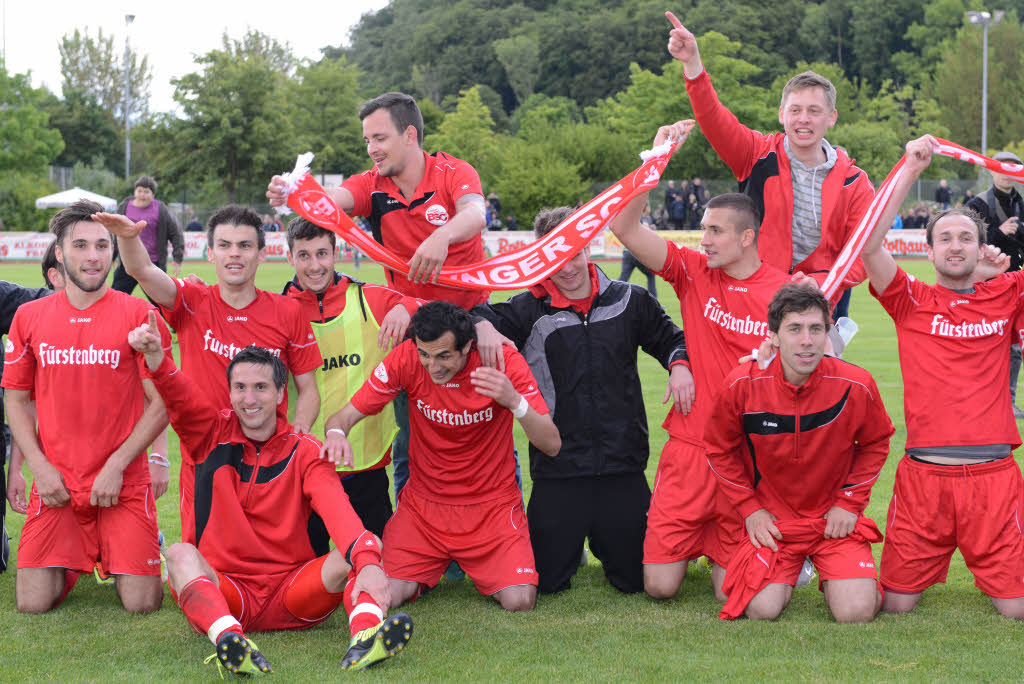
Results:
<point x="96" y="178"/>
<point x="29" y="144"/>
<point x="325" y="100"/>
<point x="95" y="66"/>
<point x="18" y="193"/>
<point x="234" y="128"/>
<point x="467" y="133"/>
<point x="89" y="132"/>
<point x="520" y="57"/>
<point x="533" y="177"/>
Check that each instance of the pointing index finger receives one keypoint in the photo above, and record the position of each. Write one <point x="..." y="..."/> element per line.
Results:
<point x="675" y="22"/>
<point x="152" y="320"/>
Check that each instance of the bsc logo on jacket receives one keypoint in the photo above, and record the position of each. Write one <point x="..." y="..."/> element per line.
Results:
<point x="436" y="214"/>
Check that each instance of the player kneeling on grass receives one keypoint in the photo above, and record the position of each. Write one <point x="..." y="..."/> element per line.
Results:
<point x="797" y="447"/>
<point x="461" y="502"/>
<point x="258" y="563"/>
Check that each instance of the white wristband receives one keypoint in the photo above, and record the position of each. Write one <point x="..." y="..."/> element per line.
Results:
<point x="338" y="430"/>
<point x="520" y="411"/>
<point x="159" y="460"/>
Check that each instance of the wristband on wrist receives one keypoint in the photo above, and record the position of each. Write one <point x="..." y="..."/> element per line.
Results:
<point x="338" y="430"/>
<point x="159" y="460"/>
<point x="363" y="551"/>
<point x="520" y="411"/>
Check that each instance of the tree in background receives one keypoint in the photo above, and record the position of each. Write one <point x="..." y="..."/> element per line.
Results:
<point x="325" y="100"/>
<point x="91" y="136"/>
<point x="95" y="67"/>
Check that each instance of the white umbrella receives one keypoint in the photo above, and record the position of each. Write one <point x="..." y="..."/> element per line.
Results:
<point x="69" y="197"/>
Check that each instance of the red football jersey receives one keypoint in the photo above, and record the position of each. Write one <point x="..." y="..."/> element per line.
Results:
<point x="401" y="224"/>
<point x="955" y="359"/>
<point x="211" y="332"/>
<point x="723" y="318"/>
<point x="460" y="450"/>
<point x="86" y="378"/>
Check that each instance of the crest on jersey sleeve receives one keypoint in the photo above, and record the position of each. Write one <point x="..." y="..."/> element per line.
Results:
<point x="380" y="372"/>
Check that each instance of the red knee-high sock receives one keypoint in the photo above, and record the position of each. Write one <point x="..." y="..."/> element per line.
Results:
<point x="205" y="607"/>
<point x="362" y="610"/>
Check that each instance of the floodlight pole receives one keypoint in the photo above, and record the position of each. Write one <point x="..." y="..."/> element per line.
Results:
<point x="984" y="19"/>
<point x="128" y="19"/>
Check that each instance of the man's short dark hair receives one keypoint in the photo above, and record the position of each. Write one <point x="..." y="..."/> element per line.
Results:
<point x="548" y="219"/>
<point x="236" y="215"/>
<point x="403" y="110"/>
<point x="261" y="357"/>
<point x="66" y="218"/>
<point x="146" y="182"/>
<point x="810" y="79"/>
<point x="434" y="319"/>
<point x="793" y="298"/>
<point x="969" y="214"/>
<point x="748" y="215"/>
<point x="304" y="229"/>
<point x="50" y="261"/>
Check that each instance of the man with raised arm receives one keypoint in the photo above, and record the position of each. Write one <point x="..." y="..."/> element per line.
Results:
<point x="797" y="447"/>
<point x="723" y="297"/>
<point x="958" y="487"/>
<point x="426" y="208"/>
<point x="354" y="323"/>
<point x="215" y="322"/>
<point x="462" y="503"/>
<point x="810" y="195"/>
<point x="260" y="562"/>
<point x="91" y="495"/>
<point x="580" y="332"/>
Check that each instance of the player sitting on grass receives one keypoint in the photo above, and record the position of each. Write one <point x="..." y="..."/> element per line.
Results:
<point x="258" y="563"/>
<point x="797" y="447"/>
<point x="462" y="503"/>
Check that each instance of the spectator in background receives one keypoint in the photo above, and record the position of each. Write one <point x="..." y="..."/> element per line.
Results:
<point x="194" y="226"/>
<point x="672" y="193"/>
<point x="511" y="223"/>
<point x="943" y="195"/>
<point x="897" y="223"/>
<point x="267" y="226"/>
<point x="630" y="262"/>
<point x="160" y="228"/>
<point x="694" y="211"/>
<point x="676" y="210"/>
<point x="968" y="196"/>
<point x="1001" y="208"/>
<point x="700" y="192"/>
<point x="492" y="197"/>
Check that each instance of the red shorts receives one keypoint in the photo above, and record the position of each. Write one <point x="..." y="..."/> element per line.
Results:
<point x="77" y="534"/>
<point x="295" y="599"/>
<point x="689" y="516"/>
<point x="489" y="540"/>
<point x="936" y="509"/>
<point x="834" y="559"/>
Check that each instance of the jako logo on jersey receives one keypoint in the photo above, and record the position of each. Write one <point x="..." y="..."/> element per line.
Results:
<point x="959" y="301"/>
<point x="736" y="288"/>
<point x="237" y="319"/>
<point x="79" y="320"/>
<point x="436" y="214"/>
<point x="228" y="350"/>
<point x="55" y="356"/>
<point x="446" y="417"/>
<point x="341" y="361"/>
<point x="941" y="326"/>
<point x="380" y="372"/>
<point x="714" y="312"/>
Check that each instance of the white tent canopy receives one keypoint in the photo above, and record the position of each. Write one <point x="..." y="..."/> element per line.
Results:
<point x="69" y="197"/>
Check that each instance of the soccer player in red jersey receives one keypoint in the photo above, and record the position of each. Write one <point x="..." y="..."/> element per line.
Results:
<point x="797" y="447"/>
<point x="258" y="563"/>
<point x="91" y="492"/>
<point x="723" y="295"/>
<point x="215" y="322"/>
<point x="427" y="208"/>
<point x="354" y="323"/>
<point x="958" y="485"/>
<point x="461" y="503"/>
<point x="810" y="194"/>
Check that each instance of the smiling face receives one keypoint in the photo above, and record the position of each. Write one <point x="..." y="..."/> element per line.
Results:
<point x="255" y="398"/>
<point x="441" y="359"/>
<point x="573" y="279"/>
<point x="954" y="249"/>
<point x="87" y="253"/>
<point x="801" y="341"/>
<point x="235" y="254"/>
<point x="313" y="261"/>
<point x="389" y="148"/>
<point x="806" y="116"/>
